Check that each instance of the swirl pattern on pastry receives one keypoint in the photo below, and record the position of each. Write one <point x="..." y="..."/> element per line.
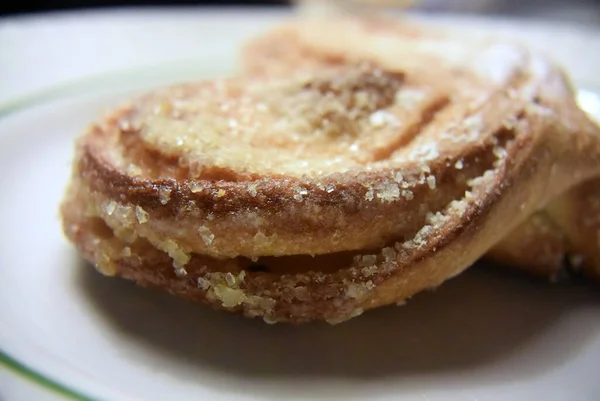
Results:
<point x="545" y="244"/>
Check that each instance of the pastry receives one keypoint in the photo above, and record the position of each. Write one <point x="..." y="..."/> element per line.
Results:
<point x="386" y="163"/>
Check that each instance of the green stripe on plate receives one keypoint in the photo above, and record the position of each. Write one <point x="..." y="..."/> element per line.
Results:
<point x="33" y="376"/>
<point x="170" y="72"/>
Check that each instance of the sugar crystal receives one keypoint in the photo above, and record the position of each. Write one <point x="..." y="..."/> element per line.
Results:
<point x="110" y="207"/>
<point x="141" y="214"/>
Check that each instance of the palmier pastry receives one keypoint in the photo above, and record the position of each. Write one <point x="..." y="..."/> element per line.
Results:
<point x="387" y="164"/>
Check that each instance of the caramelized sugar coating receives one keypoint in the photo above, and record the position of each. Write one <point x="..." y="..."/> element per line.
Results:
<point x="316" y="193"/>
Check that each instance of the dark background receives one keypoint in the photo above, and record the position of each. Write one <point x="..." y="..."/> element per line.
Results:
<point x="28" y="6"/>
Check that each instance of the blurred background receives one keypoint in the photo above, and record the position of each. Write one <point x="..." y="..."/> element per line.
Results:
<point x="583" y="11"/>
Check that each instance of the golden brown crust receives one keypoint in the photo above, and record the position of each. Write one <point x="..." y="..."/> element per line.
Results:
<point x="217" y="212"/>
<point x="577" y="213"/>
<point x="562" y="237"/>
<point x="537" y="246"/>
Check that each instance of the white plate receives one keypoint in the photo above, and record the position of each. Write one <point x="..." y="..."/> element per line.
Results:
<point x="486" y="335"/>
